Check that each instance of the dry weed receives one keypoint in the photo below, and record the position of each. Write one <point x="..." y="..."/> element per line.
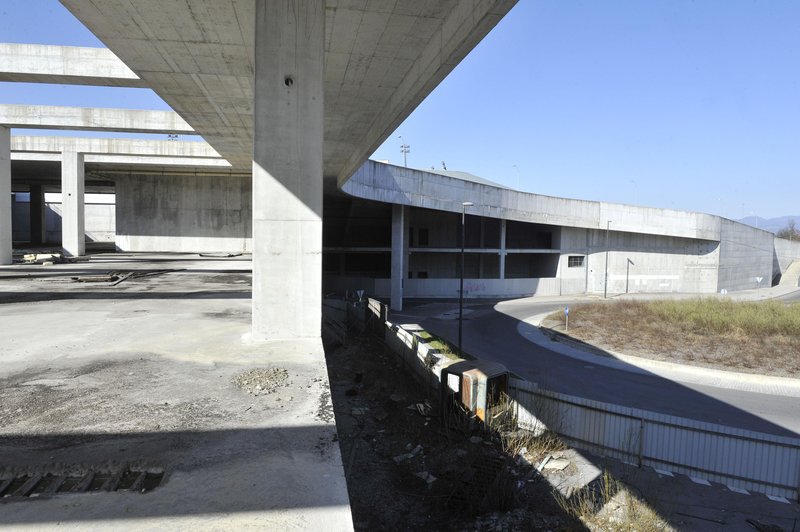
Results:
<point x="755" y="337"/>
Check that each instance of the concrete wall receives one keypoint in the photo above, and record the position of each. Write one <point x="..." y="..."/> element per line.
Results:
<point x="658" y="263"/>
<point x="406" y="186"/>
<point x="786" y="252"/>
<point x="746" y="253"/>
<point x="448" y="288"/>
<point x="184" y="213"/>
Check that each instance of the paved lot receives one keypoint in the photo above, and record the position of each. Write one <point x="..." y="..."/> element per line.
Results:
<point x="139" y="376"/>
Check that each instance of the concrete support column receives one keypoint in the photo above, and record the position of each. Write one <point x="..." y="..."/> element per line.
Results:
<point x="287" y="171"/>
<point x="5" y="196"/>
<point x="73" y="238"/>
<point x="502" y="249"/>
<point x="37" y="223"/>
<point x="400" y="223"/>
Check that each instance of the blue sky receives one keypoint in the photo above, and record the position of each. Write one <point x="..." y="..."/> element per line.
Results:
<point x="680" y="104"/>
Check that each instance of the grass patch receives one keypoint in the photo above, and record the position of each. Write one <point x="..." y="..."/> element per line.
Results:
<point x="753" y="337"/>
<point x="608" y="504"/>
<point x="445" y="348"/>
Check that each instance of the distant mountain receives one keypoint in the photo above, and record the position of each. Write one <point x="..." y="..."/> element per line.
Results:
<point x="772" y="225"/>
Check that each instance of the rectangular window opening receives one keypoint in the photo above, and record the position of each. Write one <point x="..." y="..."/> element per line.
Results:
<point x="575" y="261"/>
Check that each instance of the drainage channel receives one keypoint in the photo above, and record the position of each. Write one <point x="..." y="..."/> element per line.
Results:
<point x="35" y="485"/>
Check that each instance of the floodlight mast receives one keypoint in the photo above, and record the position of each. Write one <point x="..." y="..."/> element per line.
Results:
<point x="405" y="149"/>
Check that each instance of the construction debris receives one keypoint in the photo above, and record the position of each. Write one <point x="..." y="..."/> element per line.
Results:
<point x="407" y="456"/>
<point x="116" y="278"/>
<point x="222" y="255"/>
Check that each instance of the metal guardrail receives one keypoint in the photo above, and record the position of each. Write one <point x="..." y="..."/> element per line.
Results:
<point x="739" y="458"/>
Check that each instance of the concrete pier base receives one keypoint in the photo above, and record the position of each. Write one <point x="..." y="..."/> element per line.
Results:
<point x="5" y="196"/>
<point x="73" y="214"/>
<point x="287" y="170"/>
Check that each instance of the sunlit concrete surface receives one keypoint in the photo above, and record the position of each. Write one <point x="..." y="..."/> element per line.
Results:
<point x="74" y="65"/>
<point x="92" y="119"/>
<point x="96" y="375"/>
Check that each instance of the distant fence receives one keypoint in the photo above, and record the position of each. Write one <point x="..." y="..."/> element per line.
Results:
<point x="739" y="458"/>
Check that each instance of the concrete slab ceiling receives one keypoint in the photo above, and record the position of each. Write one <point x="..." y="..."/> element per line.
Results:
<point x="382" y="59"/>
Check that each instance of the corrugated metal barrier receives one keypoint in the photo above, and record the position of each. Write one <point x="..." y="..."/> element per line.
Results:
<point x="736" y="457"/>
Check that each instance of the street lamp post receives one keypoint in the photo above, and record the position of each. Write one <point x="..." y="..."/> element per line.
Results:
<point x="464" y="206"/>
<point x="605" y="283"/>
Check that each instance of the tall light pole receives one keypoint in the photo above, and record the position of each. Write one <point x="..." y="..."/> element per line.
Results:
<point x="514" y="166"/>
<point x="405" y="149"/>
<point x="605" y="284"/>
<point x="464" y="206"/>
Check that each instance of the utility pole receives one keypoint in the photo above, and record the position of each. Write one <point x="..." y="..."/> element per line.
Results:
<point x="405" y="149"/>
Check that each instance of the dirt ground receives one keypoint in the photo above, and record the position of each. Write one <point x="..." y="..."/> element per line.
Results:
<point x="405" y="471"/>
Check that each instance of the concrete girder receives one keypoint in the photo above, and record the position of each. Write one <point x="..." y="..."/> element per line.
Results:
<point x="432" y="190"/>
<point x="151" y="160"/>
<point x="92" y="119"/>
<point x="66" y="65"/>
<point x="161" y="148"/>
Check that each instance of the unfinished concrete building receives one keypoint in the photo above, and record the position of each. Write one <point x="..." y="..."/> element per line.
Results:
<point x="291" y="99"/>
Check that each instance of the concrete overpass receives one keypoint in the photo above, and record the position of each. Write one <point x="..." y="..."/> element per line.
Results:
<point x="294" y="92"/>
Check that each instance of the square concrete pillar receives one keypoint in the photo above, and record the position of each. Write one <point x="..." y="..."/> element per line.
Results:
<point x="37" y="223"/>
<point x="73" y="238"/>
<point x="503" y="251"/>
<point x="5" y="196"/>
<point x="399" y="254"/>
<point x="287" y="170"/>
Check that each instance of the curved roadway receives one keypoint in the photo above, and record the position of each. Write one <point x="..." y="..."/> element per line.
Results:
<point x="491" y="332"/>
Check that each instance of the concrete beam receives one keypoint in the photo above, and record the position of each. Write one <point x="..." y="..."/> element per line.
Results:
<point x="287" y="172"/>
<point x="73" y="214"/>
<point x="66" y="65"/>
<point x="161" y="148"/>
<point x="127" y="159"/>
<point x="418" y="188"/>
<point x="92" y="119"/>
<point x="5" y="196"/>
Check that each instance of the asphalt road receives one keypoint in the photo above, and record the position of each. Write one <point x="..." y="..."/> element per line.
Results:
<point x="490" y="332"/>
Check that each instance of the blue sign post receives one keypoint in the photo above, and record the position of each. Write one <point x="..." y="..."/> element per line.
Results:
<point x="566" y="316"/>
